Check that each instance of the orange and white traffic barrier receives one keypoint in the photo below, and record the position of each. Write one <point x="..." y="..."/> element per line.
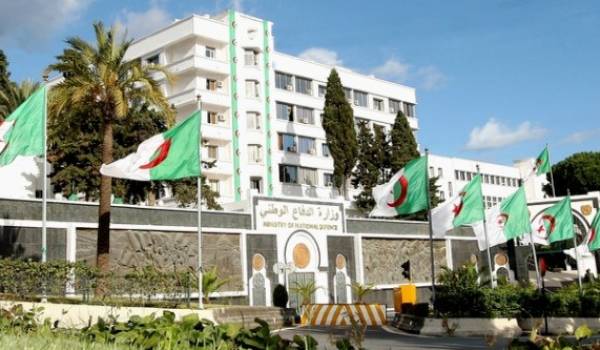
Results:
<point x="344" y="314"/>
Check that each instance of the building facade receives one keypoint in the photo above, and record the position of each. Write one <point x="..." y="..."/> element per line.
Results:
<point x="261" y="108"/>
<point x="498" y="181"/>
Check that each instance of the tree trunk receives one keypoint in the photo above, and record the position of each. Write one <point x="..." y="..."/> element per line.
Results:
<point x="103" y="245"/>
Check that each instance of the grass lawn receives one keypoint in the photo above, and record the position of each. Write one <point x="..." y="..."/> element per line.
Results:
<point x="51" y="342"/>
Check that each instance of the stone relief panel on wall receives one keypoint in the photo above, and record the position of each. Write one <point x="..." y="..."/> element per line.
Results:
<point x="131" y="249"/>
<point x="382" y="259"/>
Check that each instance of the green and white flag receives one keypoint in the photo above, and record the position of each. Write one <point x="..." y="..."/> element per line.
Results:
<point x="554" y="223"/>
<point x="542" y="163"/>
<point x="171" y="155"/>
<point x="594" y="236"/>
<point x="22" y="132"/>
<point x="405" y="193"/>
<point x="507" y="220"/>
<point x="463" y="209"/>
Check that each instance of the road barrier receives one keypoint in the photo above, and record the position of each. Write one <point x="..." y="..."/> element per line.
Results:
<point x="343" y="314"/>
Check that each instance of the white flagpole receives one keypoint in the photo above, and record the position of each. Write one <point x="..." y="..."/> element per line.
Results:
<point x="200" y="294"/>
<point x="551" y="174"/>
<point x="45" y="175"/>
<point x="538" y="275"/>
<point x="487" y="241"/>
<point x="430" y="232"/>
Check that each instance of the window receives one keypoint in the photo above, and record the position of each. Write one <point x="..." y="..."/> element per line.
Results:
<point x="497" y="180"/>
<point x="285" y="111"/>
<point x="283" y="81"/>
<point x="154" y="59"/>
<point x="431" y="171"/>
<point x="503" y="180"/>
<point x="440" y="172"/>
<point x="325" y="150"/>
<point x="492" y="180"/>
<point x="322" y="89"/>
<point x="308" y="176"/>
<point x="328" y="179"/>
<point x="456" y="174"/>
<point x="214" y="185"/>
<point x="462" y="175"/>
<point x="360" y="98"/>
<point x="210" y="52"/>
<point x="256" y="184"/>
<point x="211" y="117"/>
<point x="303" y="86"/>
<point x="469" y="175"/>
<point x="395" y="106"/>
<point x="378" y="104"/>
<point x="250" y="57"/>
<point x="254" y="153"/>
<point x="409" y="109"/>
<point x="450" y="193"/>
<point x="211" y="84"/>
<point x="252" y="89"/>
<point x="486" y="178"/>
<point x="253" y="121"/>
<point x="212" y="152"/>
<point x="442" y="196"/>
<point x="348" y="94"/>
<point x="304" y="115"/>
<point x="306" y="145"/>
<point x="287" y="143"/>
<point x="288" y="173"/>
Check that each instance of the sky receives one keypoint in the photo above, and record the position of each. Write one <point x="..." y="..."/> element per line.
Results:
<point x="495" y="80"/>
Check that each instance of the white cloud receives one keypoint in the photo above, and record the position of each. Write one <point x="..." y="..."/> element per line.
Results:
<point x="497" y="135"/>
<point x="142" y="23"/>
<point x="321" y="55"/>
<point x="427" y="77"/>
<point x="430" y="77"/>
<point x="29" y="23"/>
<point x="581" y="136"/>
<point x="392" y="69"/>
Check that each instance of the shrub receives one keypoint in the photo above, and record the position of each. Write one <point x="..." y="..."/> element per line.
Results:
<point x="280" y="296"/>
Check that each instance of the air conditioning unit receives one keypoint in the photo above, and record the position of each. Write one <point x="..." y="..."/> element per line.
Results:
<point x="219" y="84"/>
<point x="305" y="120"/>
<point x="289" y="87"/>
<point x="312" y="151"/>
<point x="330" y="184"/>
<point x="356" y="102"/>
<point x="221" y="117"/>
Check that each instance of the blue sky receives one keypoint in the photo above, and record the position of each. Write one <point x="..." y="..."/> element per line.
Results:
<point x="495" y="80"/>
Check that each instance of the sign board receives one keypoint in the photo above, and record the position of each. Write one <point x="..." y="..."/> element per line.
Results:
<point x="278" y="216"/>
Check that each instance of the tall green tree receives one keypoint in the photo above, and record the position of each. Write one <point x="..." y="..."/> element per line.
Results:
<point x="579" y="173"/>
<point x="403" y="146"/>
<point x="366" y="173"/>
<point x="14" y="94"/>
<point x="381" y="155"/>
<point x="338" y="122"/>
<point x="4" y="72"/>
<point x="97" y="74"/>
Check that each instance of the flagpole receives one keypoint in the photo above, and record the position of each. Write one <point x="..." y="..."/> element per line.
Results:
<point x="430" y="232"/>
<point x="45" y="183"/>
<point x="199" y="204"/>
<point x="551" y="173"/>
<point x="576" y="253"/>
<point x="538" y="275"/>
<point x="487" y="241"/>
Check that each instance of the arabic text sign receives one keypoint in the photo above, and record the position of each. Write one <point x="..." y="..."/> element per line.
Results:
<point x="276" y="217"/>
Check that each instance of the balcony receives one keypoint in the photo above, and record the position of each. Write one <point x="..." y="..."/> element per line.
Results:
<point x="199" y="63"/>
<point x="216" y="131"/>
<point x="306" y="191"/>
<point x="212" y="98"/>
<point x="222" y="169"/>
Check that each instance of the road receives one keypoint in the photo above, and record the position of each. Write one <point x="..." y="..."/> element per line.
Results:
<point x="387" y="338"/>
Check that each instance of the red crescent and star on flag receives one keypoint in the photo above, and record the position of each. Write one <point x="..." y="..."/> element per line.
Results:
<point x="551" y="220"/>
<point x="403" y="182"/>
<point x="160" y="155"/>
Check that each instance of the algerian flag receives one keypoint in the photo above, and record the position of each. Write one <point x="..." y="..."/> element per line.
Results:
<point x="22" y="132"/>
<point x="555" y="223"/>
<point x="594" y="236"/>
<point x="507" y="220"/>
<point x="405" y="193"/>
<point x="463" y="209"/>
<point x="171" y="155"/>
<point x="542" y="163"/>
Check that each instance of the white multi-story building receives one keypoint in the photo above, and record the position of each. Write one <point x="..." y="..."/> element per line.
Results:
<point x="261" y="108"/>
<point x="498" y="181"/>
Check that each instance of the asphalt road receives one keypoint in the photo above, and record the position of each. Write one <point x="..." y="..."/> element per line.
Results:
<point x="387" y="338"/>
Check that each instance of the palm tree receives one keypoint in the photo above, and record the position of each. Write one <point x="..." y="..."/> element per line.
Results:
<point x="14" y="95"/>
<point x="97" y="75"/>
